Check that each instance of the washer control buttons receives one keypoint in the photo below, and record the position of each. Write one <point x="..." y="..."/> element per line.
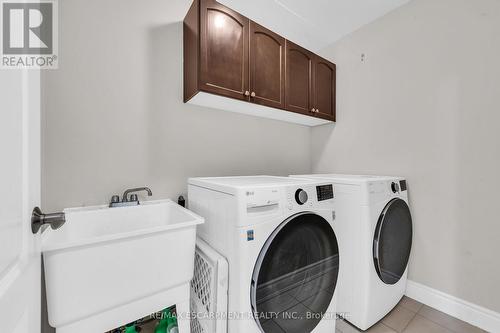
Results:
<point x="301" y="196"/>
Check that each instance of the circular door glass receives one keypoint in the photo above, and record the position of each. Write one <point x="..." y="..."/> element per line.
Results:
<point x="392" y="243"/>
<point x="295" y="275"/>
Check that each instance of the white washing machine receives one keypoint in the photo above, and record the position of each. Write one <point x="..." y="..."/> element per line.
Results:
<point x="278" y="236"/>
<point x="374" y="232"/>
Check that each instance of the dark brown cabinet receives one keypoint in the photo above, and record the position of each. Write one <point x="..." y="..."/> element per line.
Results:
<point x="267" y="67"/>
<point x="226" y="54"/>
<point x="299" y="72"/>
<point x="215" y="51"/>
<point x="223" y="50"/>
<point x="310" y="83"/>
<point x="324" y="88"/>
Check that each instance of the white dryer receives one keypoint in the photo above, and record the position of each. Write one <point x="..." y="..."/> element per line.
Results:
<point x="374" y="231"/>
<point x="278" y="236"/>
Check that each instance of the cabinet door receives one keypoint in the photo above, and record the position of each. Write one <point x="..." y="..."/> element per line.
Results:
<point x="267" y="67"/>
<point x="298" y="81"/>
<point x="324" y="88"/>
<point x="223" y="50"/>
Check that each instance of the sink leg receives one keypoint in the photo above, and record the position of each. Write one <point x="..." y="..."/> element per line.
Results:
<point x="183" y="316"/>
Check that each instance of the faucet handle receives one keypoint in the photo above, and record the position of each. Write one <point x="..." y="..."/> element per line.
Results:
<point x="115" y="198"/>
<point x="133" y="197"/>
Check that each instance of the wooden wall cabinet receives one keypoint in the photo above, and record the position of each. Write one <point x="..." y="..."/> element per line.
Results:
<point x="267" y="67"/>
<point x="233" y="63"/>
<point x="223" y="50"/>
<point x="299" y="79"/>
<point x="324" y="75"/>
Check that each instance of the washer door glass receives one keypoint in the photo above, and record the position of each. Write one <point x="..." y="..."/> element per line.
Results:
<point x="392" y="242"/>
<point x="295" y="275"/>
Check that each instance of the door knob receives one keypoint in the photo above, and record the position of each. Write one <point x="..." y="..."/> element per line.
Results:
<point x="253" y="94"/>
<point x="55" y="220"/>
<point x="247" y="93"/>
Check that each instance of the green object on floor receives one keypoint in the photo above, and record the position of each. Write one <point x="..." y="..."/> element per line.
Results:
<point x="163" y="324"/>
<point x="168" y="323"/>
<point x="172" y="325"/>
<point x="130" y="328"/>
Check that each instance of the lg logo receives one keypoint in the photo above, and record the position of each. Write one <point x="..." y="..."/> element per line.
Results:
<point x="27" y="28"/>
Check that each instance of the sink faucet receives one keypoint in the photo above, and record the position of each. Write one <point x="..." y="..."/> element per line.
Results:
<point x="126" y="201"/>
<point x="137" y="189"/>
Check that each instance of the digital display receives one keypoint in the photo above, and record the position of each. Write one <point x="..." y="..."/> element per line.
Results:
<point x="324" y="192"/>
<point x="402" y="185"/>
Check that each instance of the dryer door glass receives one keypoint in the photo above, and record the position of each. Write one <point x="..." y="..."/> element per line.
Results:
<point x="392" y="243"/>
<point x="295" y="275"/>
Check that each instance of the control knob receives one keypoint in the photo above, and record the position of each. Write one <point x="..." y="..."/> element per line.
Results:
<point x="301" y="196"/>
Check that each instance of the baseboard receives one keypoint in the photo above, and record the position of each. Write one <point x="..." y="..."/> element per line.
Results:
<point x="471" y="313"/>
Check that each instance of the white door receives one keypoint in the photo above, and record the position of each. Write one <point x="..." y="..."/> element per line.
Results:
<point x="19" y="193"/>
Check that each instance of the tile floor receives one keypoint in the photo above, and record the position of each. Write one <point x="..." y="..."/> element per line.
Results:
<point x="410" y="316"/>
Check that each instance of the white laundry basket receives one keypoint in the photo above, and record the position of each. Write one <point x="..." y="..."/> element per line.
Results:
<point x="209" y="289"/>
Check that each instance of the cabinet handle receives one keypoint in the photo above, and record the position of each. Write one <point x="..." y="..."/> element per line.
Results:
<point x="252" y="94"/>
<point x="247" y="93"/>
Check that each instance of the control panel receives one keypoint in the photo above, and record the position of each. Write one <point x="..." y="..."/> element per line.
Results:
<point x="402" y="185"/>
<point x="398" y="186"/>
<point x="324" y="192"/>
<point x="308" y="196"/>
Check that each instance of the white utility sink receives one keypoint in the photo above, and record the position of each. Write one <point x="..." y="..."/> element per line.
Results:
<point x="106" y="267"/>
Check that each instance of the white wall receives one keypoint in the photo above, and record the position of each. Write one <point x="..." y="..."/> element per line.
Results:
<point x="425" y="104"/>
<point x="114" y="117"/>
